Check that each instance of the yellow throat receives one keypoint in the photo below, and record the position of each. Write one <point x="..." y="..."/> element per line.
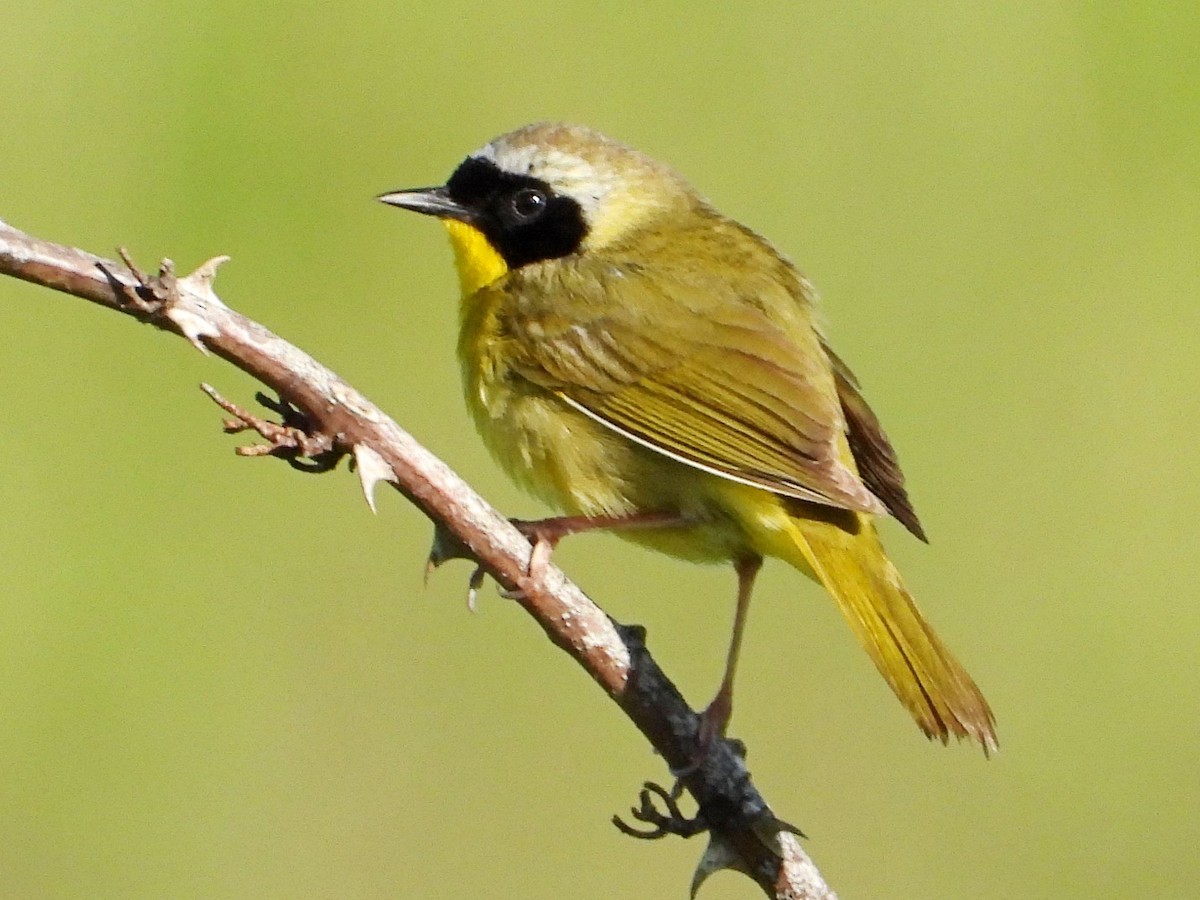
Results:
<point x="476" y="259"/>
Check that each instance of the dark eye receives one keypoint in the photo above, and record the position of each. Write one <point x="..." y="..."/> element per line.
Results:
<point x="528" y="203"/>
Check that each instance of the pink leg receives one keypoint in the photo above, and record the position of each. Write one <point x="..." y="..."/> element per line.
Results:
<point x="545" y="534"/>
<point x="715" y="718"/>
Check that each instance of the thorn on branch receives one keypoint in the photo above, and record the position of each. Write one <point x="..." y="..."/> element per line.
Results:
<point x="293" y="439"/>
<point x="161" y="298"/>
<point x="372" y="469"/>
<point x="447" y="546"/>
<point x="673" y="821"/>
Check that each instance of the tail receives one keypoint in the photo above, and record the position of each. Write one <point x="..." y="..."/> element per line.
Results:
<point x="854" y="568"/>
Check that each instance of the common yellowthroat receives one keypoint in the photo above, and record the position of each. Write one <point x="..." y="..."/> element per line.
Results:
<point x="645" y="364"/>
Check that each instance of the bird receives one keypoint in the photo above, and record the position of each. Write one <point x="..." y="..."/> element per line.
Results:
<point x="649" y="366"/>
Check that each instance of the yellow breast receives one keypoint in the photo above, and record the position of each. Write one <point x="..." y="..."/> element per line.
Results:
<point x="476" y="259"/>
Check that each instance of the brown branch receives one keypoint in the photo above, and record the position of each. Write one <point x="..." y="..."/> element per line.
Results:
<point x="323" y="419"/>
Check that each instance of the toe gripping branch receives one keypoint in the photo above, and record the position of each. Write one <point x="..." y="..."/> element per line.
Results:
<point x="744" y="834"/>
<point x="713" y="771"/>
<point x="672" y="821"/>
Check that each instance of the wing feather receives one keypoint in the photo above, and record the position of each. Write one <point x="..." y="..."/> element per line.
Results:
<point x="714" y="380"/>
<point x="877" y="462"/>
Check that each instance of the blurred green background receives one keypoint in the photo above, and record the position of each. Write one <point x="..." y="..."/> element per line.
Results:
<point x="219" y="678"/>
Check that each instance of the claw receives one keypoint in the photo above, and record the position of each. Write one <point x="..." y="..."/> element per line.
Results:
<point x="474" y="583"/>
<point x="673" y="821"/>
<point x="545" y="534"/>
<point x="447" y="546"/>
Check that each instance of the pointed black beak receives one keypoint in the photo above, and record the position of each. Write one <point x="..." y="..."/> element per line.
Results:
<point x="430" y="201"/>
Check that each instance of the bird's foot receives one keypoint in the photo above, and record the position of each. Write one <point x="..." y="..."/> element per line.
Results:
<point x="545" y="534"/>
<point x="661" y="823"/>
